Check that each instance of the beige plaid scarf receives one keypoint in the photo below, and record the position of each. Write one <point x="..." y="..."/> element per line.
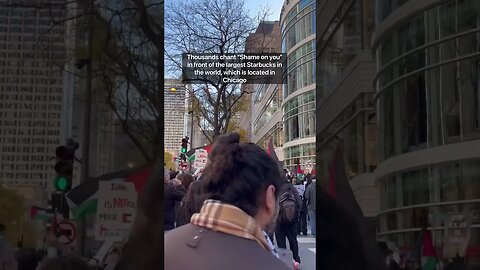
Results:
<point x="229" y="219"/>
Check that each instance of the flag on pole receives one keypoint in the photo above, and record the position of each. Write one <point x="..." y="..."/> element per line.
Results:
<point x="428" y="253"/>
<point x="299" y="169"/>
<point x="271" y="151"/>
<point x="340" y="189"/>
<point x="139" y="178"/>
<point x="192" y="151"/>
<point x="39" y="213"/>
<point x="83" y="198"/>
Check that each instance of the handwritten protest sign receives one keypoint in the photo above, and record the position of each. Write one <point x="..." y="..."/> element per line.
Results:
<point x="117" y="203"/>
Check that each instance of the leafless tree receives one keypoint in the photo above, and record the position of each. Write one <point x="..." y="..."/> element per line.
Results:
<point x="209" y="26"/>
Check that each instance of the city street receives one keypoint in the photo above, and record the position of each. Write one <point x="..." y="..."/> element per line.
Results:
<point x="306" y="250"/>
<point x="306" y="246"/>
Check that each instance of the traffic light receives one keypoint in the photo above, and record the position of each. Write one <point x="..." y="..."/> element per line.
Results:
<point x="184" y="149"/>
<point x="65" y="155"/>
<point x="184" y="145"/>
<point x="64" y="168"/>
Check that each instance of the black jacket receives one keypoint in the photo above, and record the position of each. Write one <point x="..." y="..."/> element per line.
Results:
<point x="172" y="195"/>
<point x="287" y="186"/>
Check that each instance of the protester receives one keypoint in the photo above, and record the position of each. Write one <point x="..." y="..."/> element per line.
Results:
<point x="311" y="201"/>
<point x="191" y="203"/>
<point x="27" y="259"/>
<point x="339" y="242"/>
<point x="241" y="184"/>
<point x="143" y="250"/>
<point x="287" y="227"/>
<point x="173" y="192"/>
<point x="65" y="263"/>
<point x="7" y="252"/>
<point x="186" y="180"/>
<point x="173" y="174"/>
<point x="302" y="219"/>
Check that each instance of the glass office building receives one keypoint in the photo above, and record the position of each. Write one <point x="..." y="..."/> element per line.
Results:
<point x="428" y="82"/>
<point x="298" y="43"/>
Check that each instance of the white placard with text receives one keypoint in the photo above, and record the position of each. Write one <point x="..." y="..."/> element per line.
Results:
<point x="117" y="204"/>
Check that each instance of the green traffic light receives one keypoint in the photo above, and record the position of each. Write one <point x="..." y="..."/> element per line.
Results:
<point x="184" y="150"/>
<point x="61" y="183"/>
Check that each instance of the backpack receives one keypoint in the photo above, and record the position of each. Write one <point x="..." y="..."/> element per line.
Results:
<point x="288" y="208"/>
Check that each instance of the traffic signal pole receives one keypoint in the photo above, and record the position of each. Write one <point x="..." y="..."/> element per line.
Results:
<point x="191" y="138"/>
<point x="84" y="173"/>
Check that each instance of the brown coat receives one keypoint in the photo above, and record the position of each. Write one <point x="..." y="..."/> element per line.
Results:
<point x="195" y="248"/>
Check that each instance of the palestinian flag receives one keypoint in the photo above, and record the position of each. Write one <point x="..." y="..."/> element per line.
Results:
<point x="191" y="153"/>
<point x="39" y="213"/>
<point x="299" y="170"/>
<point x="429" y="256"/>
<point x="83" y="198"/>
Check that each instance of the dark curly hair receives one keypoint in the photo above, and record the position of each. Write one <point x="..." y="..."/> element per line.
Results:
<point x="186" y="179"/>
<point x="239" y="173"/>
<point x="191" y="203"/>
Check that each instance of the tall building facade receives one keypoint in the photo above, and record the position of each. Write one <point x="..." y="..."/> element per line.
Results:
<point x="175" y="108"/>
<point x="346" y="108"/>
<point x="266" y="39"/>
<point x="427" y="84"/>
<point x="298" y="27"/>
<point x="42" y="100"/>
<point x="266" y="100"/>
<point x="32" y="53"/>
<point x="267" y="115"/>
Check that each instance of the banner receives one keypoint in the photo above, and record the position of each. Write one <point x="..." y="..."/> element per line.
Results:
<point x="117" y="203"/>
<point x="201" y="158"/>
<point x="456" y="235"/>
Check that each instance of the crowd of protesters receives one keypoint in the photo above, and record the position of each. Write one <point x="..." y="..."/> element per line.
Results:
<point x="12" y="258"/>
<point x="243" y="209"/>
<point x="184" y="197"/>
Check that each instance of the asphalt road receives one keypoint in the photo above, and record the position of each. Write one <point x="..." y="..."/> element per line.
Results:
<point x="306" y="246"/>
<point x="306" y="250"/>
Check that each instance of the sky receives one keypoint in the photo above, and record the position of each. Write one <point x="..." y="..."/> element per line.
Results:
<point x="275" y="7"/>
